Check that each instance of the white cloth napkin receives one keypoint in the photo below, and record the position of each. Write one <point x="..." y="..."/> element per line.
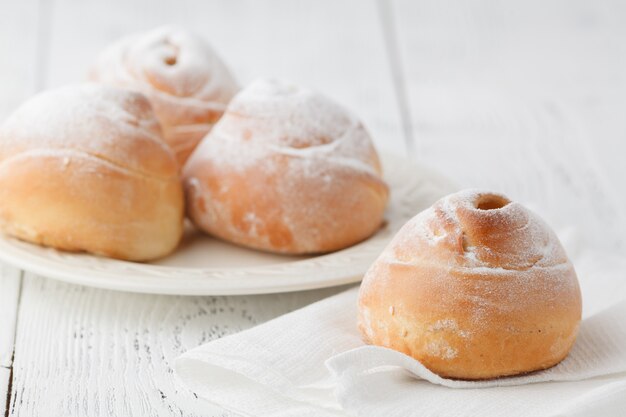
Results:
<point x="312" y="362"/>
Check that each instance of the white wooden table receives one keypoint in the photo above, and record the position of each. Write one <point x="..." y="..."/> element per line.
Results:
<point x="528" y="98"/>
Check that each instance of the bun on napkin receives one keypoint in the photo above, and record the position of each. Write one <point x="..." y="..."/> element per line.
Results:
<point x="286" y="170"/>
<point x="475" y="287"/>
<point x="184" y="79"/>
<point x="85" y="168"/>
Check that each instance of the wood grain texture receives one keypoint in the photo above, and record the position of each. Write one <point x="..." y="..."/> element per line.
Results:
<point x="526" y="98"/>
<point x="87" y="352"/>
<point x="523" y="97"/>
<point x="10" y="281"/>
<point x="82" y="351"/>
<point x="18" y="74"/>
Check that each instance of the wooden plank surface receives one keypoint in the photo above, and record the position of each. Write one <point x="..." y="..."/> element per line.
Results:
<point x="523" y="97"/>
<point x="82" y="351"/>
<point x="18" y="75"/>
<point x="526" y="98"/>
<point x="10" y="281"/>
<point x="86" y="352"/>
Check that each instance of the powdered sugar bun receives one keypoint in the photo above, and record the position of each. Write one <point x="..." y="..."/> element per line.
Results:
<point x="184" y="79"/>
<point x="85" y="168"/>
<point x="475" y="287"/>
<point x="286" y="170"/>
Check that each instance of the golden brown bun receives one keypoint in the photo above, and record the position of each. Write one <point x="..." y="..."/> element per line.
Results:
<point x="474" y="287"/>
<point x="286" y="170"/>
<point x="186" y="82"/>
<point x="84" y="168"/>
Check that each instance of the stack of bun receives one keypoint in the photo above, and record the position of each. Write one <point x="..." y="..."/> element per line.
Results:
<point x="475" y="287"/>
<point x="97" y="167"/>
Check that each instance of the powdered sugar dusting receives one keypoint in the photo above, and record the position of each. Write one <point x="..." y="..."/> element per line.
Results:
<point x="482" y="255"/>
<point x="168" y="59"/>
<point x="499" y="239"/>
<point x="473" y="272"/>
<point x="186" y="82"/>
<point x="114" y="125"/>
<point x="274" y="117"/>
<point x="441" y="349"/>
<point x="298" y="138"/>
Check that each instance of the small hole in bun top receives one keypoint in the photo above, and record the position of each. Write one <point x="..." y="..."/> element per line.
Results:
<point x="170" y="60"/>
<point x="491" y="202"/>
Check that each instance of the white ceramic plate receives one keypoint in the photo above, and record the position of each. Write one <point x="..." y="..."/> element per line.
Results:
<point x="206" y="266"/>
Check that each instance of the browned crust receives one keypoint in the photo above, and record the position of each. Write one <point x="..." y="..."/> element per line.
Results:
<point x="464" y="322"/>
<point x="303" y="217"/>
